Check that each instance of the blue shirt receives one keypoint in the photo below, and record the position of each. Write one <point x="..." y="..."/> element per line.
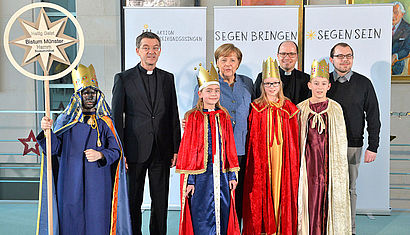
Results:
<point x="237" y="101"/>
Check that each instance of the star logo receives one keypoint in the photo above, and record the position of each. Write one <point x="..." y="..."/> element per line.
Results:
<point x="311" y="35"/>
<point x="44" y="41"/>
<point x="146" y="28"/>
<point x="27" y="148"/>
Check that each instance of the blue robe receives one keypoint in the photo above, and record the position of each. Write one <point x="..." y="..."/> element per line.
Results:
<point x="202" y="204"/>
<point x="84" y="189"/>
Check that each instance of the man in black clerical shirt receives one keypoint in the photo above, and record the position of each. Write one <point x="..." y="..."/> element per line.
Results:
<point x="294" y="81"/>
<point x="146" y="117"/>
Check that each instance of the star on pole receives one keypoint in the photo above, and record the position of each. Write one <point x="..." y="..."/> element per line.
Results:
<point x="44" y="41"/>
<point x="27" y="148"/>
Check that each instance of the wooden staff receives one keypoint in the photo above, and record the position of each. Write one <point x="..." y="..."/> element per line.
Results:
<point x="48" y="150"/>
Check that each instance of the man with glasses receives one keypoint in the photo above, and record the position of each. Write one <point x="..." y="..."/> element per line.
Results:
<point x="400" y="40"/>
<point x="294" y="81"/>
<point x="146" y="118"/>
<point x="355" y="93"/>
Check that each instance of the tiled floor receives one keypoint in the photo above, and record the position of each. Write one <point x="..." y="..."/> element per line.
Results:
<point x="20" y="219"/>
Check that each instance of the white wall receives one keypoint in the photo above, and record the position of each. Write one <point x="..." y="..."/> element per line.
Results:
<point x="102" y="31"/>
<point x="17" y="92"/>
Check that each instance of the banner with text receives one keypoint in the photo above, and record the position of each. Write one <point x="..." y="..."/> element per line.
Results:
<point x="183" y="46"/>
<point x="256" y="31"/>
<point x="368" y="30"/>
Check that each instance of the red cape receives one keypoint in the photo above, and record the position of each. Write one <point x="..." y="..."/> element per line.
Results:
<point x="258" y="209"/>
<point x="192" y="159"/>
<point x="193" y="150"/>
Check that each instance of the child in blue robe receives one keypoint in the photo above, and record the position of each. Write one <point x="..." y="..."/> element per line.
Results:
<point x="90" y="200"/>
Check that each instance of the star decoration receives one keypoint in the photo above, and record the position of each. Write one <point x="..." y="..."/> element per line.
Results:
<point x="311" y="35"/>
<point x="27" y="148"/>
<point x="44" y="41"/>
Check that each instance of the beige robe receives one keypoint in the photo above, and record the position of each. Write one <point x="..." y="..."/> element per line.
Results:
<point x="338" y="221"/>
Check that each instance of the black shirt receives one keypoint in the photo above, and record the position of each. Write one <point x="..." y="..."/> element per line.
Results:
<point x="359" y="103"/>
<point x="150" y="83"/>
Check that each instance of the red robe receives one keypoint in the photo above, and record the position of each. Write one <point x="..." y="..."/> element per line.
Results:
<point x="192" y="159"/>
<point x="258" y="208"/>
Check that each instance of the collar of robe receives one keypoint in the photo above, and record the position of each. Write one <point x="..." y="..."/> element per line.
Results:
<point x="318" y="120"/>
<point x="274" y="122"/>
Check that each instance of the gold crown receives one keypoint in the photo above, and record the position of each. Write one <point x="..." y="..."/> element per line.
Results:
<point x="319" y="69"/>
<point x="270" y="69"/>
<point x="84" y="77"/>
<point x="207" y="76"/>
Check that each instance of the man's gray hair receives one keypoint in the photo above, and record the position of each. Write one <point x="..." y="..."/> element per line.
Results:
<point x="146" y="35"/>
<point x="400" y="6"/>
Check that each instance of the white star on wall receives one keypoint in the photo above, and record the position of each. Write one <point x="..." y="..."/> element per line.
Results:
<point x="44" y="41"/>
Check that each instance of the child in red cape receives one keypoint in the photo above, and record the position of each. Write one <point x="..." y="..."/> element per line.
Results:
<point x="208" y="164"/>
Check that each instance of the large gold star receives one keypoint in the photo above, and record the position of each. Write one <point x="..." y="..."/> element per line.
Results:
<point x="44" y="41"/>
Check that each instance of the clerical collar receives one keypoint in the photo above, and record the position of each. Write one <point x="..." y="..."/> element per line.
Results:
<point x="347" y="75"/>
<point x="144" y="70"/>
<point x="285" y="72"/>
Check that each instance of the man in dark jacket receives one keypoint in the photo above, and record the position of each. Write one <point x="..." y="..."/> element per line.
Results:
<point x="400" y="40"/>
<point x="146" y="117"/>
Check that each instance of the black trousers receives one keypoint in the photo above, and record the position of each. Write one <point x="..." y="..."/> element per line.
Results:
<point x="158" y="175"/>
<point x="239" y="188"/>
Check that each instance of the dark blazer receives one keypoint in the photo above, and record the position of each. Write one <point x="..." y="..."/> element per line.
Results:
<point x="401" y="46"/>
<point x="142" y="124"/>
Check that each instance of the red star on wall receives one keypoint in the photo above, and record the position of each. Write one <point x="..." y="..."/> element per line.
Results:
<point x="27" y="149"/>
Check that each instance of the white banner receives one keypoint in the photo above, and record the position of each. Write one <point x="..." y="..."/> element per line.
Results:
<point x="256" y="31"/>
<point x="183" y="47"/>
<point x="367" y="29"/>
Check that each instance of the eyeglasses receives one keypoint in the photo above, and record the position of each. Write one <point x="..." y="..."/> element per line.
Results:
<point x="271" y="84"/>
<point x="147" y="49"/>
<point x="290" y="54"/>
<point x="341" y="57"/>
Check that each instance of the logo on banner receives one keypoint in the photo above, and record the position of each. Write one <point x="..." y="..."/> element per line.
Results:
<point x="311" y="35"/>
<point x="146" y="28"/>
<point x="344" y="34"/>
<point x="252" y="36"/>
<point x="172" y="35"/>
